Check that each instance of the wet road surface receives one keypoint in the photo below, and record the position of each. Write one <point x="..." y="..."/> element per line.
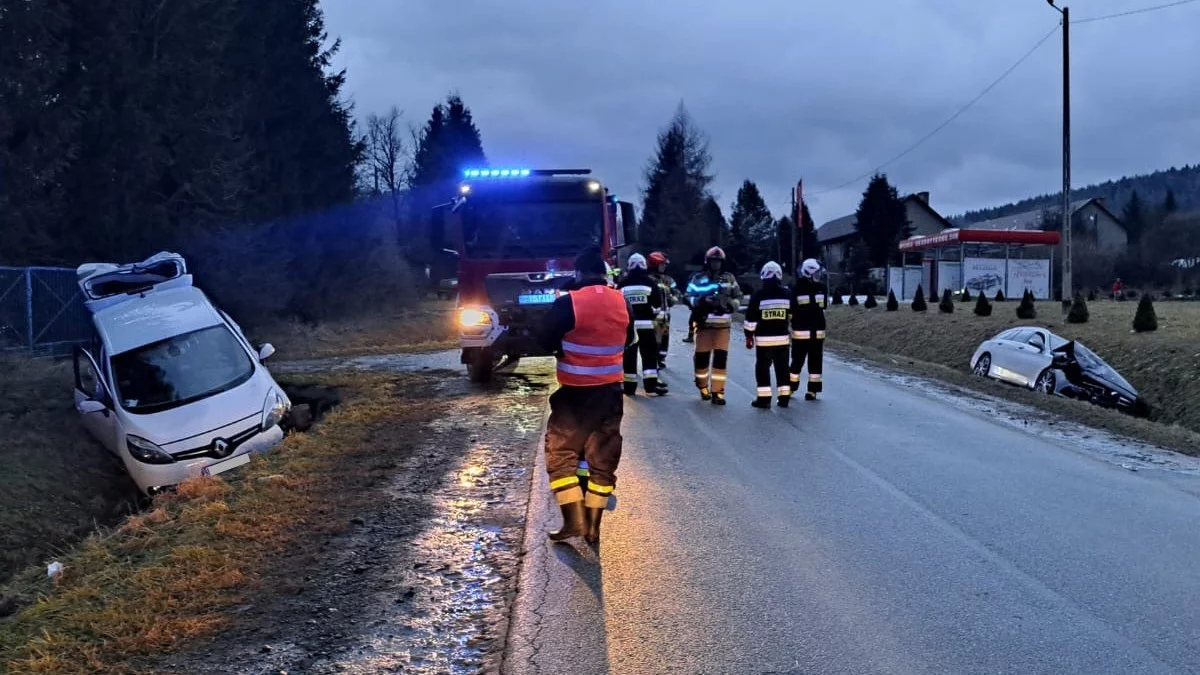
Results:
<point x="886" y="528"/>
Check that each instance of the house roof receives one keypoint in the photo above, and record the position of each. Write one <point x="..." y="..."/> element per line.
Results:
<point x="1032" y="220"/>
<point x="845" y="226"/>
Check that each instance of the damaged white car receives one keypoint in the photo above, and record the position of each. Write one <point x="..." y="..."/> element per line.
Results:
<point x="170" y="384"/>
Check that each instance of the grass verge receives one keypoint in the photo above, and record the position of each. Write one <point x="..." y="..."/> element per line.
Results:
<point x="165" y="576"/>
<point x="56" y="485"/>
<point x="1163" y="365"/>
<point x="429" y="327"/>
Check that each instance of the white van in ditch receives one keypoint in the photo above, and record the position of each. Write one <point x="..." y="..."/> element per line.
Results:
<point x="170" y="384"/>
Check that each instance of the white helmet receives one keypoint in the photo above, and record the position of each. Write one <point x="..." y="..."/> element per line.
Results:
<point x="637" y="261"/>
<point x="810" y="268"/>
<point x="771" y="270"/>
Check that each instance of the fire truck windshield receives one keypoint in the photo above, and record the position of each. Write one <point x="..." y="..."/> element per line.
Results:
<point x="493" y="230"/>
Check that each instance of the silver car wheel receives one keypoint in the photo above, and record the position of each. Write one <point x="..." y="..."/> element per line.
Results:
<point x="1045" y="382"/>
<point x="983" y="366"/>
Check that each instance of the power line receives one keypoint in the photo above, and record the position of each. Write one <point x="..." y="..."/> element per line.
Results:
<point x="1135" y="11"/>
<point x="953" y="117"/>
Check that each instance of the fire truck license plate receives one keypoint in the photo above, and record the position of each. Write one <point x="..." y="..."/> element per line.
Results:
<point x="535" y="298"/>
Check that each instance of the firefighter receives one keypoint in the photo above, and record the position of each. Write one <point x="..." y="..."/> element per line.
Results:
<point x="658" y="268"/>
<point x="644" y="294"/>
<point x="767" y="327"/>
<point x="808" y="327"/>
<point x="588" y="330"/>
<point x="715" y="296"/>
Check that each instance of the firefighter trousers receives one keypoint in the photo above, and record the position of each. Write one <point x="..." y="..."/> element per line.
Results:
<point x="810" y="345"/>
<point x="647" y="347"/>
<point x="712" y="344"/>
<point x="767" y="359"/>
<point x="584" y="424"/>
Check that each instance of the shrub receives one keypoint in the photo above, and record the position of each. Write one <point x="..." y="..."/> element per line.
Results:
<point x="1091" y="296"/>
<point x="1026" y="310"/>
<point x="853" y="299"/>
<point x="892" y="305"/>
<point x="982" y="306"/>
<point x="946" y="306"/>
<point x="999" y="296"/>
<point x="1079" y="310"/>
<point x="966" y="295"/>
<point x="918" y="303"/>
<point x="871" y="302"/>
<point x="837" y="298"/>
<point x="1144" y="319"/>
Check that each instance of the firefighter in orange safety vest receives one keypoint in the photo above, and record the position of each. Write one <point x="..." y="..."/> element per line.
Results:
<point x="808" y="327"/>
<point x="587" y="329"/>
<point x="767" y="327"/>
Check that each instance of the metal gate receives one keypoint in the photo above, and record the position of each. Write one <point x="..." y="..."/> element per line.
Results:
<point x="41" y="309"/>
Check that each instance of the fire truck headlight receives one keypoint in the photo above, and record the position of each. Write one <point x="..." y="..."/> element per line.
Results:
<point x="593" y="186"/>
<point x="464" y="189"/>
<point x="473" y="318"/>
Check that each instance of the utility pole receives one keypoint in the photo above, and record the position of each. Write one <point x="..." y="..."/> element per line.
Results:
<point x="1066" y="152"/>
<point x="795" y="232"/>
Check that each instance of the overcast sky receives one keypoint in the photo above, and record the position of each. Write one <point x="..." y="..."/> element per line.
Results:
<point x="786" y="89"/>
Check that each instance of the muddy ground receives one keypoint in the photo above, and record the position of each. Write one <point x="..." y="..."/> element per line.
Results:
<point x="421" y="582"/>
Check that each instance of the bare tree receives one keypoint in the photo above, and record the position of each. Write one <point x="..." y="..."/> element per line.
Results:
<point x="387" y="157"/>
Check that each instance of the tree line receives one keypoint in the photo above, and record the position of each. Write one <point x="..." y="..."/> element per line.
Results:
<point x="219" y="129"/>
<point x="681" y="216"/>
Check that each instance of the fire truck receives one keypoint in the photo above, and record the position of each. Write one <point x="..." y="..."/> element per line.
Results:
<point x="515" y="233"/>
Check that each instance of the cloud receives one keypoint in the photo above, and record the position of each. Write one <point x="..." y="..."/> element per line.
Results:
<point x="826" y="91"/>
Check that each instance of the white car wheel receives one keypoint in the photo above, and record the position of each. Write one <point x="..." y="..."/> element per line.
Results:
<point x="983" y="366"/>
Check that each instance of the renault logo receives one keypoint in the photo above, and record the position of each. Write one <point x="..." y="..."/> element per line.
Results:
<point x="221" y="447"/>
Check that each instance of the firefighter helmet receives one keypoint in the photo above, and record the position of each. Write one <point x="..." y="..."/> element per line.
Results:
<point x="637" y="261"/>
<point x="658" y="258"/>
<point x="771" y="270"/>
<point x="714" y="253"/>
<point x="810" y="268"/>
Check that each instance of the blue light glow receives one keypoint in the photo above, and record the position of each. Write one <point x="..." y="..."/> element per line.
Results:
<point x="524" y="172"/>
<point x="504" y="172"/>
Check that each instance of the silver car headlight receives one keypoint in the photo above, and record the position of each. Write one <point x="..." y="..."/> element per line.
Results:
<point x="274" y="408"/>
<point x="144" y="451"/>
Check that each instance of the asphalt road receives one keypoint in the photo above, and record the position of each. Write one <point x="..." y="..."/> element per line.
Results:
<point x="881" y="529"/>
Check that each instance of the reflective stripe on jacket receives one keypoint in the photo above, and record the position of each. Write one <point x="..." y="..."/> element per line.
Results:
<point x="593" y="351"/>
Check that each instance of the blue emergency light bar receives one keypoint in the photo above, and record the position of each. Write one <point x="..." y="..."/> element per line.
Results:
<point x="522" y="173"/>
<point x="496" y="173"/>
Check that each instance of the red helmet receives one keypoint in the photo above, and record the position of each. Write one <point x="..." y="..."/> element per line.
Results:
<point x="658" y="258"/>
<point x="714" y="252"/>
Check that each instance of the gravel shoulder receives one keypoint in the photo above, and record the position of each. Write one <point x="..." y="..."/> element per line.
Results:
<point x="421" y="577"/>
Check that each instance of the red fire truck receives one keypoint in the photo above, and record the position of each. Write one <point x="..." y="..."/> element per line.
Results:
<point x="516" y="233"/>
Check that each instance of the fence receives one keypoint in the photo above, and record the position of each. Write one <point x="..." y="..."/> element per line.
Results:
<point x="41" y="309"/>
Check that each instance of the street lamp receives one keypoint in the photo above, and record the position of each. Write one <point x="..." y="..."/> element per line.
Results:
<point x="1066" y="151"/>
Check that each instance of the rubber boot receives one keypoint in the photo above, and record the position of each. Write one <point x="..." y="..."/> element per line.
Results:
<point x="763" y="402"/>
<point x="574" y="524"/>
<point x="705" y="395"/>
<point x="659" y="388"/>
<point x="592" y="518"/>
<point x="718" y="398"/>
<point x="631" y="388"/>
<point x="810" y="396"/>
<point x="784" y="400"/>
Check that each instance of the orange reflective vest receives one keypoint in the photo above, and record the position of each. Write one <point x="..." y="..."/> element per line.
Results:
<point x="593" y="351"/>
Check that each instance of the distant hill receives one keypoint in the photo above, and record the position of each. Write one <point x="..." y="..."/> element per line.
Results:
<point x="1151" y="188"/>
